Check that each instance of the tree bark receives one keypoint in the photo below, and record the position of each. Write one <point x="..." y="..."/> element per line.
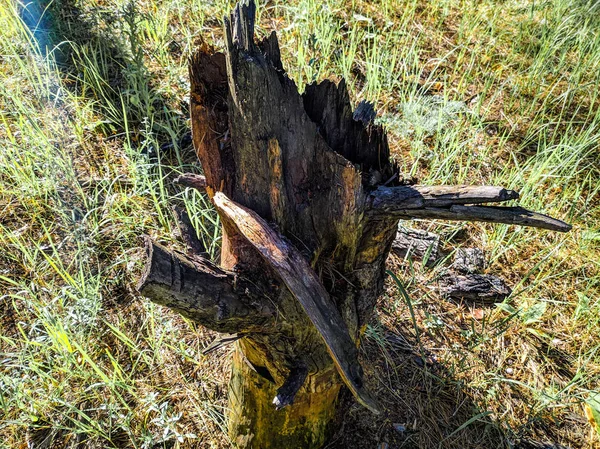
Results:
<point x="306" y="192"/>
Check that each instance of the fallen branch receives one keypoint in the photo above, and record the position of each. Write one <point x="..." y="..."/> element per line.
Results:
<point x="417" y="245"/>
<point x="483" y="287"/>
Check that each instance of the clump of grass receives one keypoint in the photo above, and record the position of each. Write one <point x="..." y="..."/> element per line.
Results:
<point x="93" y="127"/>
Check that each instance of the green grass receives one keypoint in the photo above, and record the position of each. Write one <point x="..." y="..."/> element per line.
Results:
<point x="93" y="127"/>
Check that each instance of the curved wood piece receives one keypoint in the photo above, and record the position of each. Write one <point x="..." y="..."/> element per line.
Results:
<point x="202" y="292"/>
<point x="287" y="392"/>
<point x="304" y="284"/>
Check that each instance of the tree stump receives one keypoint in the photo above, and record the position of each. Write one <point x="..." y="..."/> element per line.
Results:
<point x="305" y="191"/>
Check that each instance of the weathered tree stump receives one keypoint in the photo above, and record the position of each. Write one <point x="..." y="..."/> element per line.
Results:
<point x="305" y="191"/>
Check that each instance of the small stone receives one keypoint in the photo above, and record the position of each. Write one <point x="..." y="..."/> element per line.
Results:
<point x="509" y="371"/>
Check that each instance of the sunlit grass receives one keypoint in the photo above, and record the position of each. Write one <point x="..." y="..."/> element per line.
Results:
<point x="93" y="128"/>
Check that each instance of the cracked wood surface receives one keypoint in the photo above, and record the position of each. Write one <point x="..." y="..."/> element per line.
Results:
<point x="306" y="287"/>
<point x="203" y="292"/>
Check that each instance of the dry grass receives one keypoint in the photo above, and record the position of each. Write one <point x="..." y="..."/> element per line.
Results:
<point x="92" y="132"/>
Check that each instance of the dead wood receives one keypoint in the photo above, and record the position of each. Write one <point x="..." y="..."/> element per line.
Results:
<point x="482" y="287"/>
<point x="304" y="285"/>
<point x="287" y="392"/>
<point x="193" y="181"/>
<point x="468" y="260"/>
<point x="188" y="233"/>
<point x="310" y="202"/>
<point x="416" y="244"/>
<point x="200" y="291"/>
<point x="491" y="214"/>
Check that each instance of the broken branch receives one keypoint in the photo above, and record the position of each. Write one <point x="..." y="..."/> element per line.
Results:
<point x="390" y="200"/>
<point x="202" y="292"/>
<point x="491" y="214"/>
<point x="456" y="203"/>
<point x="193" y="181"/>
<point x="187" y="232"/>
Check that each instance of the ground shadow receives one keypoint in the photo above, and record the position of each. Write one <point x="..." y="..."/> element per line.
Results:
<point x="426" y="405"/>
<point x="111" y="41"/>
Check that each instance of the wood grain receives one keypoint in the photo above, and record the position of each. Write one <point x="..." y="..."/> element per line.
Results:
<point x="306" y="287"/>
<point x="201" y="291"/>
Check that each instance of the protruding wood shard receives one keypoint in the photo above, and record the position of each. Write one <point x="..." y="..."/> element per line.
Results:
<point x="394" y="199"/>
<point x="304" y="284"/>
<point x="188" y="233"/>
<point x="491" y="214"/>
<point x="287" y="392"/>
<point x="221" y="341"/>
<point x="456" y="203"/>
<point x="192" y="180"/>
<point x="200" y="291"/>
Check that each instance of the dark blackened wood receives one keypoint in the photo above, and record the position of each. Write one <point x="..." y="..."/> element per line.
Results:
<point x="491" y="214"/>
<point x="283" y="168"/>
<point x="305" y="286"/>
<point x="468" y="260"/>
<point x="353" y="135"/>
<point x="202" y="292"/>
<point x="416" y="244"/>
<point x="482" y="287"/>
<point x="394" y="200"/>
<point x="287" y="392"/>
<point x="188" y="233"/>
